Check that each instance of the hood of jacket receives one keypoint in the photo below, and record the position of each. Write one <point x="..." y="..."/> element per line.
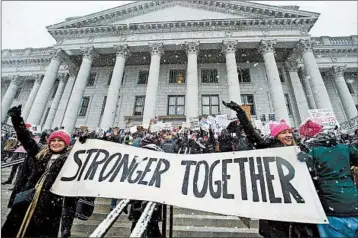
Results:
<point x="326" y="139"/>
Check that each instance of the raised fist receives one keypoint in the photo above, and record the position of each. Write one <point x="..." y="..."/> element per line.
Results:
<point x="15" y="111"/>
<point x="233" y="106"/>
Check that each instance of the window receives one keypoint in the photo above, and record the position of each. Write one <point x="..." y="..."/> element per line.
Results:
<point x="248" y="100"/>
<point x="110" y="78"/>
<point x="84" y="106"/>
<point x="177" y="76"/>
<point x="280" y="74"/>
<point x="176" y="105"/>
<point x="139" y="105"/>
<point x="143" y="77"/>
<point x="288" y="104"/>
<point x="272" y="117"/>
<point x="55" y="89"/>
<point x="209" y="76"/>
<point x="350" y="88"/>
<point x="103" y="104"/>
<point x="17" y="94"/>
<point x="244" y="75"/>
<point x="210" y="105"/>
<point x="91" y="79"/>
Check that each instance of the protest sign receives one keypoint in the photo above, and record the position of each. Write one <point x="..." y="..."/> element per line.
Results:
<point x="247" y="110"/>
<point x="194" y="123"/>
<point x="204" y="124"/>
<point x="167" y="126"/>
<point x="350" y="125"/>
<point x="133" y="129"/>
<point x="211" y="120"/>
<point x="7" y="128"/>
<point x="324" y="117"/>
<point x="262" y="184"/>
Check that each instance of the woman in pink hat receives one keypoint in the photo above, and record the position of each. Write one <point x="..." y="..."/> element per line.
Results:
<point x="36" y="212"/>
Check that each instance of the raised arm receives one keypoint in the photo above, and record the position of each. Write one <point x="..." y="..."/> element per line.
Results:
<point x="23" y="134"/>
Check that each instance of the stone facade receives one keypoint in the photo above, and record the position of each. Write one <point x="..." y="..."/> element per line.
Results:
<point x="254" y="58"/>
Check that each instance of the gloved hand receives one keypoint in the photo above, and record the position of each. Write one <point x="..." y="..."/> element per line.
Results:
<point x="303" y="157"/>
<point x="15" y="111"/>
<point x="83" y="138"/>
<point x="233" y="106"/>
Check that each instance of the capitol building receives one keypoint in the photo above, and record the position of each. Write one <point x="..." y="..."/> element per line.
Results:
<point x="174" y="60"/>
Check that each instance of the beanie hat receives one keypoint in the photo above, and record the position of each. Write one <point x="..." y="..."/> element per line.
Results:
<point x="277" y="128"/>
<point x="61" y="134"/>
<point x="310" y="128"/>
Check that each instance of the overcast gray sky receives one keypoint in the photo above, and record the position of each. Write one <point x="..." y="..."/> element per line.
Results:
<point x="24" y="22"/>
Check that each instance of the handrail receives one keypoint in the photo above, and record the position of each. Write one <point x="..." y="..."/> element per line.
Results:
<point x="142" y="223"/>
<point x="112" y="217"/>
<point x="9" y="164"/>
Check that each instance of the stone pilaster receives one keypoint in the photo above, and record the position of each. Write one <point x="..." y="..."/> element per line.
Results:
<point x="32" y="96"/>
<point x="317" y="85"/>
<point x="277" y="95"/>
<point x="70" y="118"/>
<point x="156" y="50"/>
<point x="55" y="102"/>
<point x="343" y="92"/>
<point x="45" y="89"/>
<point x="298" y="91"/>
<point x="192" y="81"/>
<point x="114" y="87"/>
<point x="229" y="48"/>
<point x="9" y="97"/>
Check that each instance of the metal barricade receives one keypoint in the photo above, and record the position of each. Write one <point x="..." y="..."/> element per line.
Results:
<point x="9" y="164"/>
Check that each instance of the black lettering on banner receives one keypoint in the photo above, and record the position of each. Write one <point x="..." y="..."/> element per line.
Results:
<point x="269" y="178"/>
<point x="225" y="178"/>
<point x="89" y="152"/>
<point x="158" y="172"/>
<point x="197" y="193"/>
<point x="103" y="177"/>
<point x="215" y="194"/>
<point x="78" y="162"/>
<point x="124" y="163"/>
<point x="187" y="163"/>
<point x="241" y="161"/>
<point x="146" y="170"/>
<point x="286" y="186"/>
<point x="259" y="176"/>
<point x="139" y="172"/>
<point x="94" y="165"/>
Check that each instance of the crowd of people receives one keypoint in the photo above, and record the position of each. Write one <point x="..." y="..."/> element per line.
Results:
<point x="332" y="160"/>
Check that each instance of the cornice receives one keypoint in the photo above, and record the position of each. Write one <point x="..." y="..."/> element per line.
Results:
<point x="334" y="52"/>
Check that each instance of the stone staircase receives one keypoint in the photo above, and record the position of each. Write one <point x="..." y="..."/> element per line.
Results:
<point x="187" y="223"/>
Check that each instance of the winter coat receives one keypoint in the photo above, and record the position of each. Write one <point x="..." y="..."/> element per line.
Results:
<point x="225" y="143"/>
<point x="330" y="166"/>
<point x="168" y="146"/>
<point x="45" y="220"/>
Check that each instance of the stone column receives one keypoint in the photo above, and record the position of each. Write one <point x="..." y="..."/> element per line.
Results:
<point x="277" y="95"/>
<point x="78" y="90"/>
<point x="300" y="96"/>
<point x="157" y="50"/>
<point x="31" y="98"/>
<point x="192" y="83"/>
<point x="9" y="97"/>
<point x="319" y="90"/>
<point x="55" y="102"/>
<point x="113" y="90"/>
<point x="343" y="91"/>
<point x="45" y="89"/>
<point x="229" y="49"/>
<point x="57" y="122"/>
<point x="307" y="88"/>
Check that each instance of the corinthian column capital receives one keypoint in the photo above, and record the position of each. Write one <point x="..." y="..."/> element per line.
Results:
<point x="57" y="54"/>
<point x="89" y="53"/>
<point x="338" y="71"/>
<point x="305" y="45"/>
<point x="192" y="47"/>
<point x="122" y="50"/>
<point x="267" y="46"/>
<point x="15" y="79"/>
<point x="229" y="47"/>
<point x="156" y="49"/>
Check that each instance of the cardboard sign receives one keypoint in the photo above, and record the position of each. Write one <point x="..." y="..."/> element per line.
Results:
<point x="247" y="110"/>
<point x="324" y="117"/>
<point x="262" y="184"/>
<point x="194" y="123"/>
<point x="133" y="129"/>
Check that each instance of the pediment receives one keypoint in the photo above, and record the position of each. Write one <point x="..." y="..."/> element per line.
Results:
<point x="165" y="11"/>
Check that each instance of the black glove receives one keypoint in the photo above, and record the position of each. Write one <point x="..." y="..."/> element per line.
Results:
<point x="82" y="139"/>
<point x="234" y="106"/>
<point x="303" y="157"/>
<point x="15" y="111"/>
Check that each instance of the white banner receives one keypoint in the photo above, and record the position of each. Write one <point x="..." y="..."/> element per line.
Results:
<point x="261" y="184"/>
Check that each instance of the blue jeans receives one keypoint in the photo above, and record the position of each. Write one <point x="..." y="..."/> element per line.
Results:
<point x="339" y="227"/>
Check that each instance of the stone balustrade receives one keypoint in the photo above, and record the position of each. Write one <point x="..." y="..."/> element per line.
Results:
<point x="326" y="40"/>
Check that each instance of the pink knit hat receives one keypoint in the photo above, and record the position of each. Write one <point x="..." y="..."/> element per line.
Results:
<point x="61" y="134"/>
<point x="277" y="128"/>
<point x="310" y="128"/>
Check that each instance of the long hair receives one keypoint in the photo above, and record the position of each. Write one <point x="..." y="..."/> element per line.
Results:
<point x="45" y="151"/>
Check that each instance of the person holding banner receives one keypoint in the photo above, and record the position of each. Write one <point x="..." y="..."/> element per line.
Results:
<point x="36" y="212"/>
<point x="330" y="163"/>
<point x="281" y="135"/>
